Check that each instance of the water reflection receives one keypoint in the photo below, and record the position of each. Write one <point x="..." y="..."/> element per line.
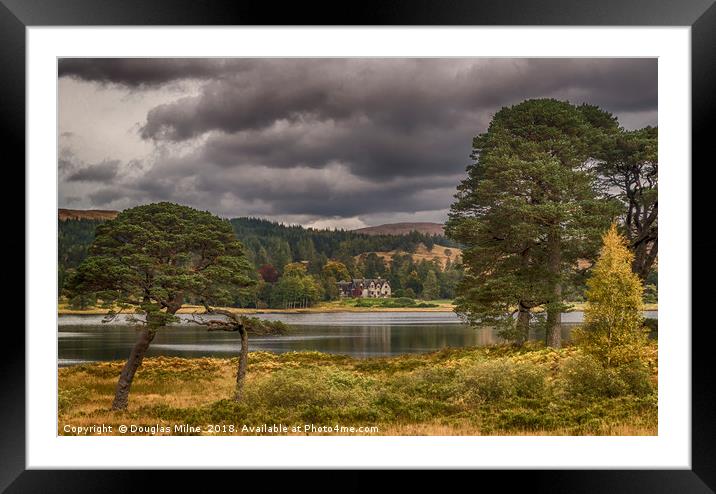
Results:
<point x="85" y="338"/>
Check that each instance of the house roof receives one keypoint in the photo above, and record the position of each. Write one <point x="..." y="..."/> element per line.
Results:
<point x="369" y="280"/>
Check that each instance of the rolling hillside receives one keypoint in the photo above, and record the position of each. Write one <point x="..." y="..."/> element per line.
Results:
<point x="438" y="253"/>
<point x="85" y="214"/>
<point x="403" y="229"/>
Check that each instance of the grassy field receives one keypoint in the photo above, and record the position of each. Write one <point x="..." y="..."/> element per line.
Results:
<point x="467" y="391"/>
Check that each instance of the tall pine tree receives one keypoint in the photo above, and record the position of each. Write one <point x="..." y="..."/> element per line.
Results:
<point x="529" y="208"/>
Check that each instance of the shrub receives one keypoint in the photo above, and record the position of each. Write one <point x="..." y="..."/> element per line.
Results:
<point x="433" y="383"/>
<point x="69" y="398"/>
<point x="289" y="387"/>
<point x="637" y="378"/>
<point x="488" y="381"/>
<point x="499" y="380"/>
<point x="586" y="377"/>
<point x="316" y="386"/>
<point x="530" y="381"/>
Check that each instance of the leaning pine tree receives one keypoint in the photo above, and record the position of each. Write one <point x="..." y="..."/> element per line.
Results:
<point x="149" y="260"/>
<point x="613" y="330"/>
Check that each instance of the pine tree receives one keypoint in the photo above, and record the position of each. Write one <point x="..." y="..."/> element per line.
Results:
<point x="528" y="210"/>
<point x="149" y="260"/>
<point x="431" y="287"/>
<point x="629" y="167"/>
<point x="613" y="330"/>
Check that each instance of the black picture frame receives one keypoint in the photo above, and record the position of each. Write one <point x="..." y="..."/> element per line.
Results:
<point x="16" y="15"/>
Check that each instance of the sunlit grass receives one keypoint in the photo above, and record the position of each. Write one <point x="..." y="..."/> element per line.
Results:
<point x="464" y="391"/>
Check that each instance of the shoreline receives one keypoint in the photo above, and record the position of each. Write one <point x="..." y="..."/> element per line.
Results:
<point x="237" y="310"/>
<point x="321" y="309"/>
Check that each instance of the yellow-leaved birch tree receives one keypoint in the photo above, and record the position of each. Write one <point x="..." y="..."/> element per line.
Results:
<point x="613" y="329"/>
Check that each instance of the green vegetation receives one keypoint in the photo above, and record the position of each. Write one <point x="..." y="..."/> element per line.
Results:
<point x="547" y="181"/>
<point x="276" y="244"/>
<point x="73" y="240"/>
<point x="494" y="390"/>
<point x="391" y="303"/>
<point x="328" y="257"/>
<point x="628" y="164"/>
<point x="534" y="205"/>
<point x="296" y="288"/>
<point x="150" y="259"/>
<point x="613" y="331"/>
<point x="257" y="326"/>
<point x="613" y="339"/>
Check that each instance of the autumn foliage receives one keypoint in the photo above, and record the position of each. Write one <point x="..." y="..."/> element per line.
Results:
<point x="614" y="331"/>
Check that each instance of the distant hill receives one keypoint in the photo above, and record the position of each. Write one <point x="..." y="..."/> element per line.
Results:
<point x="403" y="229"/>
<point x="86" y="214"/>
<point x="438" y="253"/>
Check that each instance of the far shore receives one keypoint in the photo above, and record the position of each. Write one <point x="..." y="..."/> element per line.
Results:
<point x="323" y="308"/>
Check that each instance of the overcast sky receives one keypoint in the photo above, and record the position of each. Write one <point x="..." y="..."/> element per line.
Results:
<point x="321" y="142"/>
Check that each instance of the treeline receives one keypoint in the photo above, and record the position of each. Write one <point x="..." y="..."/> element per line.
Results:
<point x="73" y="240"/>
<point x="297" y="287"/>
<point x="272" y="243"/>
<point x="315" y="259"/>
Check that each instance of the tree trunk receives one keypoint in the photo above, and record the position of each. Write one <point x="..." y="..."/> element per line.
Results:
<point x="523" y="316"/>
<point x="234" y="324"/>
<point x="146" y="335"/>
<point x="121" y="394"/>
<point x="554" y="328"/>
<point x="243" y="363"/>
<point x="638" y="262"/>
<point x="644" y="257"/>
<point x="554" y="311"/>
<point x="523" y="325"/>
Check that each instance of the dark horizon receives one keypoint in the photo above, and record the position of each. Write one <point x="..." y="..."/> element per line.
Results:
<point x="278" y="222"/>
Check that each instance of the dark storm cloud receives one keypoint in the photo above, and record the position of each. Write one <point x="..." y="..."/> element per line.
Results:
<point x="398" y="94"/>
<point x="99" y="172"/>
<point x="142" y="72"/>
<point x="270" y="191"/>
<point x="367" y="148"/>
<point x="316" y="193"/>
<point x="107" y="195"/>
<point x="334" y="137"/>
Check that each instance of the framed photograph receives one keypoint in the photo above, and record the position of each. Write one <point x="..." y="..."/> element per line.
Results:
<point x="414" y="237"/>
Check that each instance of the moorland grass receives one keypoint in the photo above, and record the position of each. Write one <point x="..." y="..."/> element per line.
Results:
<point x="497" y="390"/>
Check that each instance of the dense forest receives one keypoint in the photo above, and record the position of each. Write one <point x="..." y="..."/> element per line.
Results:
<point x="73" y="240"/>
<point x="277" y="244"/>
<point x="297" y="266"/>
